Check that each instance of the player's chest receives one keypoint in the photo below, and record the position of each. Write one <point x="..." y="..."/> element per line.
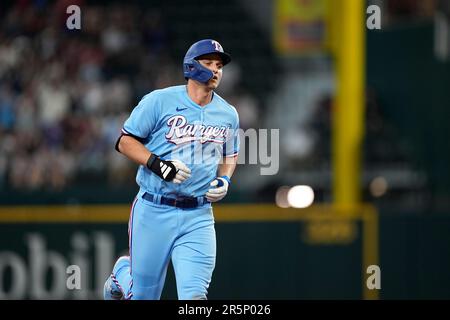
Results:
<point x="192" y="124"/>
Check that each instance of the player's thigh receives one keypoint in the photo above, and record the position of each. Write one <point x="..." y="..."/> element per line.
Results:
<point x="193" y="258"/>
<point x="152" y="232"/>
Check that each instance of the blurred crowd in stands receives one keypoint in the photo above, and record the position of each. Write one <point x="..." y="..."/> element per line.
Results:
<point x="64" y="94"/>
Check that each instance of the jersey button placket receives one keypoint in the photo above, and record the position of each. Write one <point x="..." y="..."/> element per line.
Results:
<point x="202" y="122"/>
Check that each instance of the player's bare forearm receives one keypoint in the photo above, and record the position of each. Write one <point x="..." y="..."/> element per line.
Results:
<point x="226" y="168"/>
<point x="134" y="150"/>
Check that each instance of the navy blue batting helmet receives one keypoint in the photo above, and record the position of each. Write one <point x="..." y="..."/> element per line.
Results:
<point x="193" y="69"/>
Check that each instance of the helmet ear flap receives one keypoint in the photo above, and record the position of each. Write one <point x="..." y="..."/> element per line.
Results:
<point x="188" y="67"/>
<point x="188" y="70"/>
<point x="194" y="70"/>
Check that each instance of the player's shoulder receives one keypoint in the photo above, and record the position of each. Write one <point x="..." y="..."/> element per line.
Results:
<point x="226" y="105"/>
<point x="164" y="92"/>
<point x="168" y="90"/>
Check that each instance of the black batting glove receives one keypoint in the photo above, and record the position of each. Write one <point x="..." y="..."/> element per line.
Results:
<point x="168" y="170"/>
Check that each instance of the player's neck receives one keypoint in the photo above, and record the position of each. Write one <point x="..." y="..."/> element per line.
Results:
<point x="201" y="95"/>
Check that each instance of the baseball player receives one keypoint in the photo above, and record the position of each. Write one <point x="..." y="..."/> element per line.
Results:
<point x="185" y="140"/>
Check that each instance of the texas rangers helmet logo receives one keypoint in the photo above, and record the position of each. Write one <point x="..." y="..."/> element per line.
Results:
<point x="217" y="46"/>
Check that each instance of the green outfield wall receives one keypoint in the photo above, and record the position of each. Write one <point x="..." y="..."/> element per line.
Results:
<point x="263" y="253"/>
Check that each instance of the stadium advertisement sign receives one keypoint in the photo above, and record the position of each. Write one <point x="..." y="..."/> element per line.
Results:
<point x="57" y="261"/>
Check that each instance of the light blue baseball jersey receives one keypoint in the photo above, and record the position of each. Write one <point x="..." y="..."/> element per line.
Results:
<point x="173" y="126"/>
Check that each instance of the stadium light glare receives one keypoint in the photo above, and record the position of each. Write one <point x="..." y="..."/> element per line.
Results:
<point x="281" y="197"/>
<point x="300" y="196"/>
<point x="378" y="186"/>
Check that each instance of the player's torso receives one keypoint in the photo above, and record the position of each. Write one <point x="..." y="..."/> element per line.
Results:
<point x="192" y="134"/>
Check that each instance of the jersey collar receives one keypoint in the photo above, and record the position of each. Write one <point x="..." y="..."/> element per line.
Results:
<point x="194" y="103"/>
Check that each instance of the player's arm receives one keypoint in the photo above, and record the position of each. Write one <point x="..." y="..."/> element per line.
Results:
<point x="131" y="147"/>
<point x="226" y="168"/>
<point x="219" y="186"/>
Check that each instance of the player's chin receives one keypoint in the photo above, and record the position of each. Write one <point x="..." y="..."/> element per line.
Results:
<point x="213" y="84"/>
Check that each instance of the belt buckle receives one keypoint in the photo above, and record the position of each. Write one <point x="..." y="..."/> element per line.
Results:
<point x="184" y="202"/>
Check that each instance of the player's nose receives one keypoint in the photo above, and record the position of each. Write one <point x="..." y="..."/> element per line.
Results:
<point x="215" y="68"/>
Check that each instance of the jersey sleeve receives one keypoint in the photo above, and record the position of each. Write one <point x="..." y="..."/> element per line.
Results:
<point x="232" y="144"/>
<point x="143" y="119"/>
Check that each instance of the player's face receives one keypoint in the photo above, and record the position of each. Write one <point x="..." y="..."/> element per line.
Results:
<point x="214" y="63"/>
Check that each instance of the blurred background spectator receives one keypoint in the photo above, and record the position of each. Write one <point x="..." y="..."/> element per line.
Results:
<point x="64" y="95"/>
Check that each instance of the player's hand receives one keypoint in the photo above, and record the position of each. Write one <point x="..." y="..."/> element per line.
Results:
<point x="168" y="170"/>
<point x="218" y="190"/>
<point x="182" y="171"/>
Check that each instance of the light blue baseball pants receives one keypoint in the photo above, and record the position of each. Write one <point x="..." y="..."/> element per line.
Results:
<point x="158" y="233"/>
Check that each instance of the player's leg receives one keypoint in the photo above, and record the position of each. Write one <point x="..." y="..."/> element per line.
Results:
<point x="118" y="283"/>
<point x="153" y="230"/>
<point x="194" y="254"/>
